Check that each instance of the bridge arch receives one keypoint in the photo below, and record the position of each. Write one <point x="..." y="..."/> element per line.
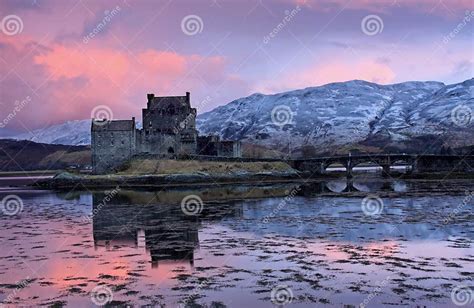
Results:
<point x="335" y="165"/>
<point x="367" y="167"/>
<point x="418" y="163"/>
<point x="402" y="165"/>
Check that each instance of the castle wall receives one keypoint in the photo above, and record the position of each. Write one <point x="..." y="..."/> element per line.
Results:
<point x="207" y="145"/>
<point x="229" y="149"/>
<point x="110" y="149"/>
<point x="169" y="128"/>
<point x="157" y="143"/>
<point x="213" y="146"/>
<point x="169" y="114"/>
<point x="237" y="151"/>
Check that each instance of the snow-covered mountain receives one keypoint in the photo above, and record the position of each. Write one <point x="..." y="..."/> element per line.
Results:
<point x="333" y="117"/>
<point x="77" y="132"/>
<point x="69" y="133"/>
<point x="342" y="115"/>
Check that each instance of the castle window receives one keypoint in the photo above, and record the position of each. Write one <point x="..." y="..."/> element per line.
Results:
<point x="123" y="142"/>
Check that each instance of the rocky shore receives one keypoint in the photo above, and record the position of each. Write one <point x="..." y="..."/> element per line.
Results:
<point x="67" y="180"/>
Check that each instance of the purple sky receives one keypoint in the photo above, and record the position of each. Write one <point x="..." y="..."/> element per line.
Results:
<point x="239" y="47"/>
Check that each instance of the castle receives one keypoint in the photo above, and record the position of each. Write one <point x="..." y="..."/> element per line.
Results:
<point x="169" y="130"/>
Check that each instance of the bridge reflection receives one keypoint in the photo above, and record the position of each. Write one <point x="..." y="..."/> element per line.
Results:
<point x="347" y="185"/>
<point x="141" y="220"/>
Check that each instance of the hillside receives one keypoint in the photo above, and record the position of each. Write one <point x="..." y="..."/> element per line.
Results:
<point x="334" y="118"/>
<point x="27" y="155"/>
<point x="405" y="117"/>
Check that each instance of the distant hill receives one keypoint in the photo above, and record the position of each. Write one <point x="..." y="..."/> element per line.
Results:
<point x="77" y="132"/>
<point x="338" y="117"/>
<point x="334" y="118"/>
<point x="28" y="155"/>
<point x="67" y="133"/>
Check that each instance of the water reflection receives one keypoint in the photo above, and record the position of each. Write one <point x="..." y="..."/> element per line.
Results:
<point x="245" y="241"/>
<point x="169" y="233"/>
<point x="172" y="235"/>
<point x="380" y="185"/>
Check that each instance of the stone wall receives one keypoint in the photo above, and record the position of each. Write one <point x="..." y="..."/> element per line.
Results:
<point x="169" y="128"/>
<point x="111" y="145"/>
<point x="207" y="145"/>
<point x="444" y="163"/>
<point x="157" y="143"/>
<point x="213" y="146"/>
<point x="169" y="114"/>
<point x="229" y="149"/>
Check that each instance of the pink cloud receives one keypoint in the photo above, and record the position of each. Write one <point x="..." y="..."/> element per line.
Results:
<point x="70" y="80"/>
<point x="139" y="52"/>
<point x="69" y="62"/>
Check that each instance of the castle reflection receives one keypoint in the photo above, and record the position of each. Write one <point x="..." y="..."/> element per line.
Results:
<point x="155" y="220"/>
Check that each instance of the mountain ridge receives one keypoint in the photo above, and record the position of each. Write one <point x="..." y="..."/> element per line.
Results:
<point x="331" y="118"/>
<point x="340" y="115"/>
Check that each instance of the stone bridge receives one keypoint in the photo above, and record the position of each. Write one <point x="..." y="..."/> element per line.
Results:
<point x="417" y="163"/>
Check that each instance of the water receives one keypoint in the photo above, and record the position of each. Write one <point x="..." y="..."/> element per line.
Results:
<point x="315" y="245"/>
<point x="7" y="182"/>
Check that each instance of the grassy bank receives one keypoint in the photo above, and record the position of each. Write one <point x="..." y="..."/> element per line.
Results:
<point x="149" y="173"/>
<point x="150" y="166"/>
<point x="28" y="173"/>
<point x="154" y="173"/>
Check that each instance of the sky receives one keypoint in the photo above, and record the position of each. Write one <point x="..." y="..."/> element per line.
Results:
<point x="66" y="60"/>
